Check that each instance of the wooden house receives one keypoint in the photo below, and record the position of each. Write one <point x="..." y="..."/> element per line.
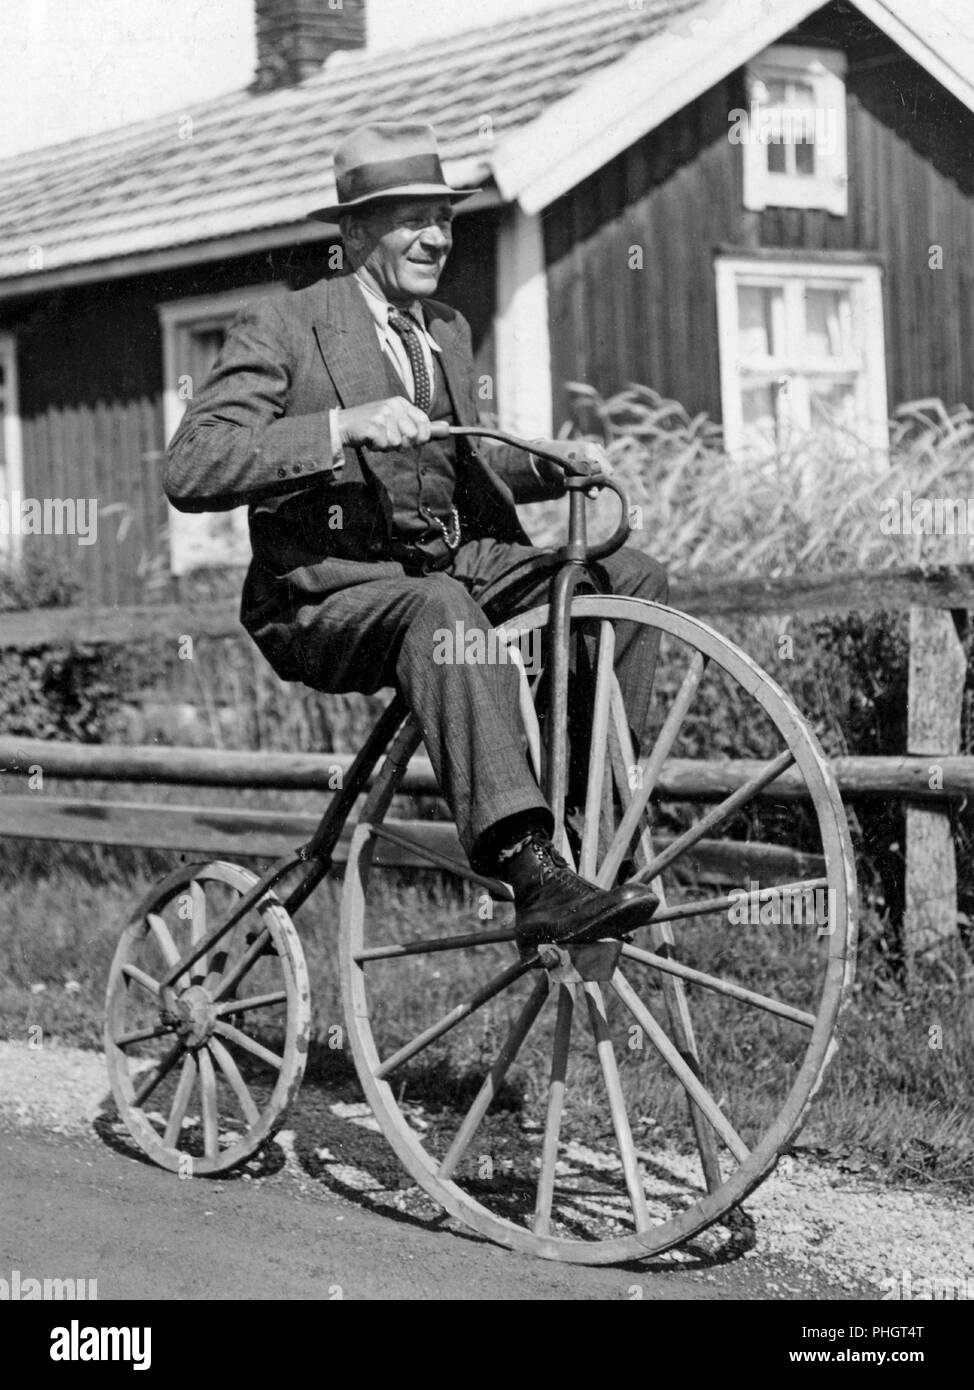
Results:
<point x="764" y="211"/>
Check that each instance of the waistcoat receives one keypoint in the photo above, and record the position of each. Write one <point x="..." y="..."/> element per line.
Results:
<point x="421" y="477"/>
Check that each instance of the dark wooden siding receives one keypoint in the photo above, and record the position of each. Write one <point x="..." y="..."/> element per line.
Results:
<point x="91" y="378"/>
<point x="672" y="198"/>
<point x="678" y="195"/>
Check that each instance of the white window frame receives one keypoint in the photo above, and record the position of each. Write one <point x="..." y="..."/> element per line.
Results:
<point x="733" y="272"/>
<point x="191" y="532"/>
<point x="828" y="188"/>
<point x="12" y="476"/>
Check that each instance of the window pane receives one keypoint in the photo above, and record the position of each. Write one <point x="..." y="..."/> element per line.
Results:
<point x="833" y="403"/>
<point x="755" y="320"/>
<point x="801" y="94"/>
<point x="777" y="159"/>
<point x="757" y="405"/>
<point x="205" y="346"/>
<point x="828" y="323"/>
<point x="805" y="158"/>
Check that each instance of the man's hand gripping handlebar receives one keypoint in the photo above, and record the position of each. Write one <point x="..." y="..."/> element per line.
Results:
<point x="578" y="481"/>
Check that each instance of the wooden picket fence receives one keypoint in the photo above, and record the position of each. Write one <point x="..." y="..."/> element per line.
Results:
<point x="930" y="773"/>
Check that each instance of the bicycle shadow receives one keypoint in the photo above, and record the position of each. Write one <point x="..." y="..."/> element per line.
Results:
<point x="330" y="1139"/>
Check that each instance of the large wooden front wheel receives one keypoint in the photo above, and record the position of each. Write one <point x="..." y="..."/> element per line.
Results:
<point x="612" y="1101"/>
<point x="204" y="1064"/>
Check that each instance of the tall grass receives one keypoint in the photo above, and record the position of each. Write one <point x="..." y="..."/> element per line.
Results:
<point x="814" y="505"/>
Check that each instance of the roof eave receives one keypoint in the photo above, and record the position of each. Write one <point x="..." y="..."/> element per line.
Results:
<point x="245" y="243"/>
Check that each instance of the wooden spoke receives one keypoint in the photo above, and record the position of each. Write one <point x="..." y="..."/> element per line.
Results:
<point x="424" y="945"/>
<point x="650" y="768"/>
<point x="617" y="1104"/>
<point x="717" y="815"/>
<point x="253" y="1001"/>
<point x="661" y="934"/>
<point x="256" y="1049"/>
<point x="221" y="955"/>
<point x="144" y="1091"/>
<point x="597" y="748"/>
<point x="529" y="715"/>
<point x="556" y="1105"/>
<point x="455" y="1016"/>
<point x="239" y="970"/>
<point x="727" y="987"/>
<point x="168" y="947"/>
<point x="690" y="1082"/>
<point x="249" y="900"/>
<point x="180" y="1101"/>
<point x="492" y="1082"/>
<point x="143" y="1035"/>
<point x="132" y="972"/>
<point x="211" y="1126"/>
<point x="197" y="924"/>
<point x="496" y="888"/>
<point x="231" y="1071"/>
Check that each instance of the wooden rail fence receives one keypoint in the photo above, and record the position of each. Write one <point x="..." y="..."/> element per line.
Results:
<point x="929" y="774"/>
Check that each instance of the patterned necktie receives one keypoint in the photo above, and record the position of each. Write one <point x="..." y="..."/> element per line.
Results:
<point x="404" y="326"/>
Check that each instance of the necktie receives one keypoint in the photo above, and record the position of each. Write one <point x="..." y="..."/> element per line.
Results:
<point x="406" y="329"/>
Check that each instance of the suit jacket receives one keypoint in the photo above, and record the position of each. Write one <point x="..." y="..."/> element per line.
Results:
<point x="258" y="433"/>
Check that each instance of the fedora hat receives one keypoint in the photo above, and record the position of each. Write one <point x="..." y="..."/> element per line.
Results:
<point x="387" y="160"/>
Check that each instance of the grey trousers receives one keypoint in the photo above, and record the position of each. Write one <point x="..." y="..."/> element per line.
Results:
<point x="390" y="631"/>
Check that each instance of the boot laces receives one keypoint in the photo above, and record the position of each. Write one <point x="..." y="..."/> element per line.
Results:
<point x="554" y="868"/>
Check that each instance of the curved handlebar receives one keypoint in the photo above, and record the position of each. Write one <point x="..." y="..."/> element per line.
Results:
<point x="575" y="482"/>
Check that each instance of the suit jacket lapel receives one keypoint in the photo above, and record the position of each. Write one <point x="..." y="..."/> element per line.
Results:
<point x="455" y="364"/>
<point x="345" y="332"/>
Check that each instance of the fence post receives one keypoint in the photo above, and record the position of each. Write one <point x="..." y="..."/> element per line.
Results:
<point x="938" y="668"/>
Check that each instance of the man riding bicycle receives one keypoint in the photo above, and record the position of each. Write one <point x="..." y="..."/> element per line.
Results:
<point x="319" y="407"/>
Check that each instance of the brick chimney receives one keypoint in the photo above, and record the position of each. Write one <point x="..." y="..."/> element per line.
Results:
<point x="294" y="37"/>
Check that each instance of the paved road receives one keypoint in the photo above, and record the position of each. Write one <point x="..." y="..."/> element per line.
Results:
<point x="70" y="1207"/>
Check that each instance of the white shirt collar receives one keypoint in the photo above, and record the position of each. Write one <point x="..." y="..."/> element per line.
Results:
<point x="379" y="308"/>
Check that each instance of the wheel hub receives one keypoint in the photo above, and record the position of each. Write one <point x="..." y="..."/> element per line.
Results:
<point x="573" y="965"/>
<point x="192" y="1013"/>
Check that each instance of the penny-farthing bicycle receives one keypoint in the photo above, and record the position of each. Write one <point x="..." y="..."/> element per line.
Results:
<point x="627" y="1093"/>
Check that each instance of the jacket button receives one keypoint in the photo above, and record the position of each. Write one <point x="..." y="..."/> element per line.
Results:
<point x="296" y="468"/>
<point x="282" y="472"/>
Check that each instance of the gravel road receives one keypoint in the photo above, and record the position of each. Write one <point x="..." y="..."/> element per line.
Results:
<point x="813" y="1230"/>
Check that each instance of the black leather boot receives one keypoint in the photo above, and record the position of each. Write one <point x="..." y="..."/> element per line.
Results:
<point x="553" y="903"/>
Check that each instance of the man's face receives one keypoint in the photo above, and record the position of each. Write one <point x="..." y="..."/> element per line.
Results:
<point x="401" y="246"/>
